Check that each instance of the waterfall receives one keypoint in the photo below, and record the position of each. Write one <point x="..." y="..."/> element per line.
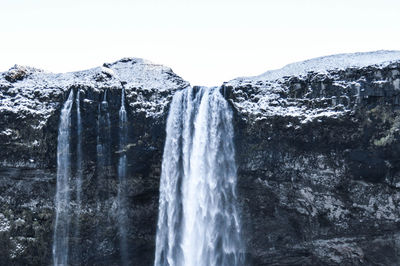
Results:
<point x="78" y="180"/>
<point x="79" y="168"/>
<point x="122" y="216"/>
<point x="61" y="227"/>
<point x="104" y="224"/>
<point x="198" y="223"/>
<point x="103" y="145"/>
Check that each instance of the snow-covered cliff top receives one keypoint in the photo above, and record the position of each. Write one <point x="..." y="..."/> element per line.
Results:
<point x="30" y="98"/>
<point x="276" y="93"/>
<point x="29" y="91"/>
<point x="324" y="64"/>
<point x="138" y="72"/>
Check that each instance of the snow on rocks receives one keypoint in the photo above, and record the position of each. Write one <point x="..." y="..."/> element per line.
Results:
<point x="150" y="88"/>
<point x="4" y="223"/>
<point x="30" y="99"/>
<point x="326" y="64"/>
<point x="325" y="87"/>
<point x="28" y="91"/>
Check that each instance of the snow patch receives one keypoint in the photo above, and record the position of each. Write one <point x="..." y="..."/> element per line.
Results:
<point x="7" y="132"/>
<point x="4" y="224"/>
<point x="396" y="84"/>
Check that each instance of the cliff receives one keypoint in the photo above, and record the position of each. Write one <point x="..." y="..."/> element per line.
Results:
<point x="317" y="148"/>
<point x="31" y="101"/>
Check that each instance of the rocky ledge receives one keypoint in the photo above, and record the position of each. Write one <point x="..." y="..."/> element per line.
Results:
<point x="318" y="148"/>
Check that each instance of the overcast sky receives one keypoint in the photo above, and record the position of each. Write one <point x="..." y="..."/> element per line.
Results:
<point x="205" y="42"/>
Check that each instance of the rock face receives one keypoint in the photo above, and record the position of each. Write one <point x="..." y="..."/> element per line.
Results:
<point x="31" y="101"/>
<point x="318" y="156"/>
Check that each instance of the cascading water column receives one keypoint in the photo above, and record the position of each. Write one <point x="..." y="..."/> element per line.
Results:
<point x="103" y="146"/>
<point x="198" y="222"/>
<point x="103" y="226"/>
<point x="61" y="226"/>
<point x="78" y="181"/>
<point x="79" y="162"/>
<point x="122" y="216"/>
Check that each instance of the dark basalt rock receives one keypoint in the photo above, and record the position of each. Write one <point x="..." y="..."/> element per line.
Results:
<point x="321" y="188"/>
<point x="29" y="120"/>
<point x="318" y="163"/>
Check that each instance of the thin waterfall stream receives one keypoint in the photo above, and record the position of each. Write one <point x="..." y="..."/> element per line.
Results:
<point x="79" y="164"/>
<point x="198" y="223"/>
<point x="62" y="222"/>
<point x="103" y="147"/>
<point x="76" y="250"/>
<point x="121" y="197"/>
<point x="103" y="180"/>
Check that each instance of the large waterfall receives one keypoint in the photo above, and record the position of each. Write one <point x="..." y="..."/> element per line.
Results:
<point x="61" y="227"/>
<point x="198" y="223"/>
<point x="122" y="217"/>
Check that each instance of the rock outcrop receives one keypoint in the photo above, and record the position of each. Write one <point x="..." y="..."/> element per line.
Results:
<point x="31" y="101"/>
<point x="318" y="156"/>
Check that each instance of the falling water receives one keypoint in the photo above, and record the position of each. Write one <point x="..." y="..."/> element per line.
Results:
<point x="79" y="174"/>
<point x="104" y="223"/>
<point x="103" y="144"/>
<point x="78" y="154"/>
<point x="61" y="227"/>
<point x="122" y="218"/>
<point x="198" y="224"/>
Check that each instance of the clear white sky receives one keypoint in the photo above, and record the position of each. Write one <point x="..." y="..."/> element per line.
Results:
<point x="205" y="42"/>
